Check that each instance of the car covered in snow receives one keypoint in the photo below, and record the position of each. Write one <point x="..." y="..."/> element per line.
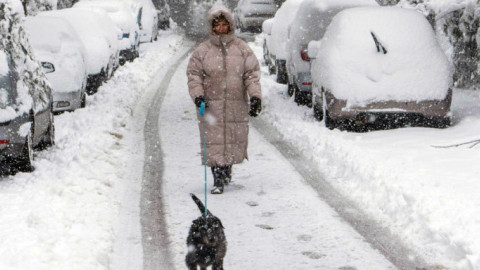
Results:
<point x="100" y="46"/>
<point x="267" y="39"/>
<point x="250" y="14"/>
<point x="163" y="13"/>
<point x="279" y="37"/>
<point x="310" y="23"/>
<point x="26" y="113"/>
<point x="127" y="17"/>
<point x="380" y="67"/>
<point x="149" y="21"/>
<point x="57" y="45"/>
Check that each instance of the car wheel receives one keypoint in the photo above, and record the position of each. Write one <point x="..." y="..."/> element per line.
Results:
<point x="318" y="111"/>
<point x="290" y="89"/>
<point x="271" y="69"/>
<point x="24" y="163"/>
<point x="281" y="73"/>
<point x="50" y="136"/>
<point x="329" y="123"/>
<point x="83" y="102"/>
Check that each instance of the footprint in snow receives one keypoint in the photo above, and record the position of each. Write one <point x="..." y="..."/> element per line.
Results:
<point x="268" y="214"/>
<point x="250" y="203"/>
<point x="313" y="255"/>
<point x="265" y="227"/>
<point x="304" y="237"/>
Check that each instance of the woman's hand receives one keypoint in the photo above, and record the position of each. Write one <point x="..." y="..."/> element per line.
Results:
<point x="255" y="106"/>
<point x="198" y="101"/>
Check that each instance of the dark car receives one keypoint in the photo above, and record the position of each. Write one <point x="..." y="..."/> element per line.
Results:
<point x="26" y="114"/>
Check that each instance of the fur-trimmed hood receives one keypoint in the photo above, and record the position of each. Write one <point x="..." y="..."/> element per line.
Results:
<point x="215" y="12"/>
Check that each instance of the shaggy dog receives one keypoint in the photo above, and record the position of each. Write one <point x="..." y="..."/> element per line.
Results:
<point x="206" y="241"/>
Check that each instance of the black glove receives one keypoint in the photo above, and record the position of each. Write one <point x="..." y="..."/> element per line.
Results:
<point x="255" y="106"/>
<point x="199" y="100"/>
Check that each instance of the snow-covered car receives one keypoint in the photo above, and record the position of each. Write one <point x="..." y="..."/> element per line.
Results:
<point x="371" y="70"/>
<point x="310" y="23"/>
<point x="55" y="42"/>
<point x="26" y="114"/>
<point x="149" y="21"/>
<point x="100" y="47"/>
<point x="126" y="16"/>
<point x="279" y="37"/>
<point x="163" y="13"/>
<point x="267" y="39"/>
<point x="250" y="14"/>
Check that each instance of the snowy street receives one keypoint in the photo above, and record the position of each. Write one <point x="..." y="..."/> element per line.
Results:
<point x="113" y="193"/>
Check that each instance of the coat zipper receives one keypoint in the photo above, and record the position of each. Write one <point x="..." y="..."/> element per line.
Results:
<point x="224" y="53"/>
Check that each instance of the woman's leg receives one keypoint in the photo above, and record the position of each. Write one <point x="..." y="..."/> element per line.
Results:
<point x="218" y="180"/>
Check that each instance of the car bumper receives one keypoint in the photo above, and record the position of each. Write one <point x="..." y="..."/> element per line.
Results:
<point x="67" y="101"/>
<point x="10" y="132"/>
<point x="430" y="109"/>
<point x="253" y="22"/>
<point x="304" y="81"/>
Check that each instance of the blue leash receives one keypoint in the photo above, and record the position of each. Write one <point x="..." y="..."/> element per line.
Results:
<point x="202" y="113"/>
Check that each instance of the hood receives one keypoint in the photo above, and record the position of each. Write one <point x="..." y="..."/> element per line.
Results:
<point x="215" y="12"/>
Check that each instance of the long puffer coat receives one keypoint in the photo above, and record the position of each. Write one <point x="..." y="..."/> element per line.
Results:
<point x="225" y="71"/>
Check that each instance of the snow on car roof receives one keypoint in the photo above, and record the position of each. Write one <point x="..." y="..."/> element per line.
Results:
<point x="349" y="65"/>
<point x="279" y="29"/>
<point x="57" y="32"/>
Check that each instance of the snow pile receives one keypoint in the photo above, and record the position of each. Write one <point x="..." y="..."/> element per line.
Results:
<point x="62" y="216"/>
<point x="413" y="68"/>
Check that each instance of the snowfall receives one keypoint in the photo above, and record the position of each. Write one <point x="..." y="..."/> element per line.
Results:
<point x="80" y="208"/>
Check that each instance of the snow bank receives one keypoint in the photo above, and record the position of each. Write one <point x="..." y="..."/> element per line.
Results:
<point x="349" y="65"/>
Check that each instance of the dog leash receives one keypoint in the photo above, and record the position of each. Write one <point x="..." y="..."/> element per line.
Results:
<point x="202" y="113"/>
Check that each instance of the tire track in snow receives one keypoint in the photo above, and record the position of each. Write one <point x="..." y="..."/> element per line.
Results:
<point x="155" y="240"/>
<point x="379" y="237"/>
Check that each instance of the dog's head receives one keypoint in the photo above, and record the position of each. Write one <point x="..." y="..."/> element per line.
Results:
<point x="208" y="230"/>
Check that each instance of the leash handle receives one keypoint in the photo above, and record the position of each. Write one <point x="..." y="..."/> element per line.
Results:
<point x="202" y="113"/>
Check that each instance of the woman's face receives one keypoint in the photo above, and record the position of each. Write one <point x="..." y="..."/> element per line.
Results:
<point x="221" y="27"/>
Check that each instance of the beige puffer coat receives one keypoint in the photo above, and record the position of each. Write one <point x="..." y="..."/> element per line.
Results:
<point x="225" y="71"/>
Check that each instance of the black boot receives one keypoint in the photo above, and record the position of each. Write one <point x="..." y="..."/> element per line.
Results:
<point x="218" y="180"/>
<point x="228" y="175"/>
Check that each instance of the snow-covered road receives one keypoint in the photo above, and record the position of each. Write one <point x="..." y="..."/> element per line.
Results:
<point x="85" y="204"/>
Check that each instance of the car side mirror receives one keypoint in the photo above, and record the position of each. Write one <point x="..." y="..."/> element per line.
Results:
<point x="48" y="67"/>
<point x="313" y="48"/>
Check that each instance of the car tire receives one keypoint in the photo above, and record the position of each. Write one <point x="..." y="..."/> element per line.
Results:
<point x="271" y="69"/>
<point x="281" y="73"/>
<point x="83" y="100"/>
<point x="290" y="89"/>
<point x="24" y="163"/>
<point x="329" y="122"/>
<point x="318" y="111"/>
<point x="50" y="136"/>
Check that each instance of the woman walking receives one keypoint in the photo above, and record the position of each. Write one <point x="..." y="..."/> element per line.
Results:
<point x="224" y="73"/>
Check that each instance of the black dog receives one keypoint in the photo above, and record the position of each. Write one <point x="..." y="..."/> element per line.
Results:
<point x="206" y="241"/>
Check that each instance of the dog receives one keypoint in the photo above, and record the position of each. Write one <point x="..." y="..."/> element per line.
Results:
<point x="206" y="241"/>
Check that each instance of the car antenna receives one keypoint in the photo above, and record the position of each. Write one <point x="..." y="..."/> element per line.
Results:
<point x="379" y="45"/>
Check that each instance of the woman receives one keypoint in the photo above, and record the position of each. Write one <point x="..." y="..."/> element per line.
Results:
<point x="224" y="73"/>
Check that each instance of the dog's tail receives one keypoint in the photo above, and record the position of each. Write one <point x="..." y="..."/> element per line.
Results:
<point x="199" y="204"/>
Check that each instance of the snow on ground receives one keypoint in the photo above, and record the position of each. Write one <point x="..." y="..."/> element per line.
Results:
<point x="73" y="211"/>
<point x="271" y="216"/>
<point x="64" y="215"/>
<point x="429" y="196"/>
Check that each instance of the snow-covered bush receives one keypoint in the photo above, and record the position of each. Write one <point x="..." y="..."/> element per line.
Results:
<point x="457" y="22"/>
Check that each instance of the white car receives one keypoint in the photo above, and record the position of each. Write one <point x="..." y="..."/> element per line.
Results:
<point x="126" y="16"/>
<point x="371" y="71"/>
<point x="250" y="14"/>
<point x="279" y="37"/>
<point x="101" y="59"/>
<point x="56" y="43"/>
<point x="149" y="22"/>
<point x="310" y="23"/>
<point x="267" y="44"/>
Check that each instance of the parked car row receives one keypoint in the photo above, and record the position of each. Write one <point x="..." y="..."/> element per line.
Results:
<point x="359" y="65"/>
<point x="250" y="14"/>
<point x="51" y="61"/>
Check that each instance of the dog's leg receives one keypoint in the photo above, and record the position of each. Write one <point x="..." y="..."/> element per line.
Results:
<point x="203" y="268"/>
<point x="190" y="261"/>
<point x="218" y="265"/>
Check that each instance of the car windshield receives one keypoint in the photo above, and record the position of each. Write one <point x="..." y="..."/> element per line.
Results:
<point x="6" y="96"/>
